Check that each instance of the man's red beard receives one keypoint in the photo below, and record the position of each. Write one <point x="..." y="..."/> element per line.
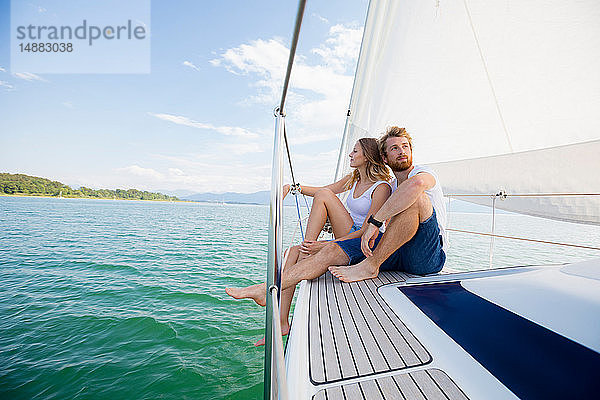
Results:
<point x="398" y="166"/>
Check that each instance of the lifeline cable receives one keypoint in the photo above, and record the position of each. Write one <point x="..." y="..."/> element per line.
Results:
<point x="525" y="239"/>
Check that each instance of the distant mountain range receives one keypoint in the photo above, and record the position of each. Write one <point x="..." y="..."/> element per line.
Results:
<point x="262" y="197"/>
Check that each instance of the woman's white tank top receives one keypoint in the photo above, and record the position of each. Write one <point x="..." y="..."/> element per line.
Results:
<point x="360" y="206"/>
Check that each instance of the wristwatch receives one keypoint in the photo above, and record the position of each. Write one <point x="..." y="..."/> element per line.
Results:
<point x="373" y="221"/>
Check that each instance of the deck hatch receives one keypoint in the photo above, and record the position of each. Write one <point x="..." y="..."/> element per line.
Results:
<point x="417" y="385"/>
<point x="353" y="333"/>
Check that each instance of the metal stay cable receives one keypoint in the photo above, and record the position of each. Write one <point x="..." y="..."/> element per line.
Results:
<point x="286" y="82"/>
<point x="288" y="154"/>
<point x="288" y="73"/>
<point x="280" y="110"/>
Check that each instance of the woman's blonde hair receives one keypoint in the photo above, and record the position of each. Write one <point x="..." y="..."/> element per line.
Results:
<point x="376" y="169"/>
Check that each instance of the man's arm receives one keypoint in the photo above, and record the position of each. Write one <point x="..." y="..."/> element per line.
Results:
<point x="405" y="196"/>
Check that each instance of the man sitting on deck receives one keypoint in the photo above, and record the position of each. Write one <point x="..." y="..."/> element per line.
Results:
<point x="411" y="243"/>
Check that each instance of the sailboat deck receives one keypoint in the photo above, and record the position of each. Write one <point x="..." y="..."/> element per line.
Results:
<point x="417" y="385"/>
<point x="354" y="334"/>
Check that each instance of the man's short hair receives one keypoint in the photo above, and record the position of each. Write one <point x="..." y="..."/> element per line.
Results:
<point x="393" y="131"/>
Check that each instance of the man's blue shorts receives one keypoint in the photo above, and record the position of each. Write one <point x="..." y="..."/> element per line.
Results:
<point x="354" y="228"/>
<point x="423" y="254"/>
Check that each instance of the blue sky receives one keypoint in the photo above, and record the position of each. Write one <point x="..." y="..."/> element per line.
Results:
<point x="202" y="120"/>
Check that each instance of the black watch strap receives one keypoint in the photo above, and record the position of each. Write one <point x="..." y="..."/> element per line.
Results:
<point x="373" y="221"/>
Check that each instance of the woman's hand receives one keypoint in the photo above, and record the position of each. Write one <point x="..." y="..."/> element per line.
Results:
<point x="310" y="247"/>
<point x="286" y="190"/>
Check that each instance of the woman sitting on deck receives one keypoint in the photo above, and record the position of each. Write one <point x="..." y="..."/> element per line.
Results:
<point x="369" y="189"/>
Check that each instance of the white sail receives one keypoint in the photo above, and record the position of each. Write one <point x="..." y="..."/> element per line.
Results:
<point x="498" y="95"/>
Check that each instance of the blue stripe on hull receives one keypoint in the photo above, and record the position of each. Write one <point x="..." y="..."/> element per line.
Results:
<point x="530" y="360"/>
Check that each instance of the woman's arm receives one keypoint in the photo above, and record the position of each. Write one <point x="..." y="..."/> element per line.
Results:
<point x="335" y="187"/>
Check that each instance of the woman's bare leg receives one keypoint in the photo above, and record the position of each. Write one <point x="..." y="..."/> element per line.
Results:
<point x="327" y="204"/>
<point x="286" y="297"/>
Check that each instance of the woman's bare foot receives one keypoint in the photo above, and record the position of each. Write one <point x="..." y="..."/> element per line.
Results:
<point x="254" y="292"/>
<point x="285" y="329"/>
<point x="365" y="269"/>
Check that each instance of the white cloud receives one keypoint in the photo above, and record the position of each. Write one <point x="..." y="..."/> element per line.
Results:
<point x="176" y="171"/>
<point x="190" y="65"/>
<point x="143" y="172"/>
<point x="324" y="155"/>
<point x="243" y="148"/>
<point x="28" y="76"/>
<point x="316" y="168"/>
<point x="227" y="177"/>
<point x="319" y="92"/>
<point x="67" y="104"/>
<point x="2" y="69"/>
<point x="224" y="130"/>
<point x="341" y="48"/>
<point x="320" y="18"/>
<point x="266" y="59"/>
<point x="189" y="161"/>
<point x="7" y="85"/>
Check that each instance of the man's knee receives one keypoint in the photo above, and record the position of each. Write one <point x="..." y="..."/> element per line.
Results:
<point x="331" y="248"/>
<point x="333" y="253"/>
<point x="419" y="211"/>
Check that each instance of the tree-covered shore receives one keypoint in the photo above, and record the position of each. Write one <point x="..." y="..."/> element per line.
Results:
<point x="20" y="184"/>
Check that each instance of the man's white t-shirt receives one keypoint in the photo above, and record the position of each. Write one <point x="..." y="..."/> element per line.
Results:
<point x="437" y="199"/>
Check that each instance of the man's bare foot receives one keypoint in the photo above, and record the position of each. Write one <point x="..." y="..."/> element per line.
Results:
<point x="359" y="272"/>
<point x="285" y="329"/>
<point x="254" y="292"/>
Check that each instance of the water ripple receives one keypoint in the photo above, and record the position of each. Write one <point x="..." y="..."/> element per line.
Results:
<point x="125" y="299"/>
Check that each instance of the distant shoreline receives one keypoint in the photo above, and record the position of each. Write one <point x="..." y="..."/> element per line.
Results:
<point x="110" y="198"/>
<point x="90" y="198"/>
